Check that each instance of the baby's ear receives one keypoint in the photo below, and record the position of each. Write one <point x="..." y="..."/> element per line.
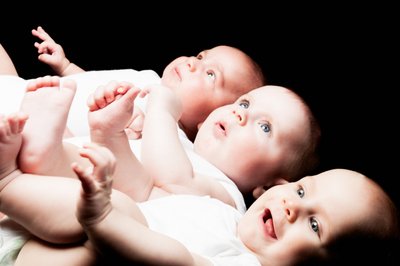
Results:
<point x="258" y="191"/>
<point x="280" y="181"/>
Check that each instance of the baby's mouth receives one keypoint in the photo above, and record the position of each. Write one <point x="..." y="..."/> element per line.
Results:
<point x="220" y="128"/>
<point x="269" y="224"/>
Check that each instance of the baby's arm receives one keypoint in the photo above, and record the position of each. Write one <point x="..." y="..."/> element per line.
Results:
<point x="135" y="128"/>
<point x="114" y="233"/>
<point x="6" y="66"/>
<point x="46" y="205"/>
<point x="52" y="54"/>
<point x="163" y="154"/>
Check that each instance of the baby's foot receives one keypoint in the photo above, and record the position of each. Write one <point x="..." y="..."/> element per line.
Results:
<point x="11" y="127"/>
<point x="94" y="204"/>
<point x="111" y="110"/>
<point x="47" y="102"/>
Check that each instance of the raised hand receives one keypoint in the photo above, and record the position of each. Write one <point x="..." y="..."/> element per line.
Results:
<point x="50" y="52"/>
<point x="94" y="203"/>
<point x="111" y="108"/>
<point x="164" y="99"/>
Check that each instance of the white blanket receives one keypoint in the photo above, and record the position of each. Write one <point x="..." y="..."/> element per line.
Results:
<point x="12" y="90"/>
<point x="12" y="238"/>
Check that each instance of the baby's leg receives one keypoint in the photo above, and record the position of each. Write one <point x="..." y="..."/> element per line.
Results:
<point x="6" y="65"/>
<point x="46" y="205"/>
<point x="11" y="127"/>
<point x="47" y="102"/>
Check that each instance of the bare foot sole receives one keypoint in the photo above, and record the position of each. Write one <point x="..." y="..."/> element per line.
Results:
<point x="11" y="127"/>
<point x="47" y="102"/>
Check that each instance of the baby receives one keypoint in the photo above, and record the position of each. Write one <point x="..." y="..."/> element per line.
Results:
<point x="215" y="77"/>
<point x="290" y="224"/>
<point x="271" y="125"/>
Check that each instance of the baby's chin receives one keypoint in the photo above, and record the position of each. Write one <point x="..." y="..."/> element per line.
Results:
<point x="133" y="135"/>
<point x="169" y="81"/>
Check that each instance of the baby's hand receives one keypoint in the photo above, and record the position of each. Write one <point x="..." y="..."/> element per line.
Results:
<point x="111" y="107"/>
<point x="94" y="203"/>
<point x="50" y="52"/>
<point x="135" y="128"/>
<point x="165" y="99"/>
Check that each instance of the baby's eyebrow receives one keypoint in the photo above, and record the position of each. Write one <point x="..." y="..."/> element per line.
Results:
<point x="204" y="53"/>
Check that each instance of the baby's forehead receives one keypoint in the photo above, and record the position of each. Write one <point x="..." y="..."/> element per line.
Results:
<point x="272" y="89"/>
<point x="272" y="93"/>
<point x="226" y="55"/>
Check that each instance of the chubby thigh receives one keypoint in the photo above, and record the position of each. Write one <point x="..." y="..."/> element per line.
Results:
<point x="46" y="206"/>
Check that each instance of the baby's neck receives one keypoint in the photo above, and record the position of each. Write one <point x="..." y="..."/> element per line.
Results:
<point x="189" y="134"/>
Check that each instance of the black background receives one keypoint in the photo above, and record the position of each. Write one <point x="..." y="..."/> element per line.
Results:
<point x="340" y="59"/>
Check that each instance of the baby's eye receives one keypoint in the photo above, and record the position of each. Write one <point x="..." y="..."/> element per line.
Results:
<point x="266" y="127"/>
<point x="300" y="191"/>
<point x="211" y="74"/>
<point x="314" y="225"/>
<point x="199" y="56"/>
<point x="244" y="103"/>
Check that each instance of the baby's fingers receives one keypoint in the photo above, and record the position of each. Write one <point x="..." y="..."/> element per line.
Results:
<point x="102" y="159"/>
<point x="84" y="176"/>
<point x="41" y="34"/>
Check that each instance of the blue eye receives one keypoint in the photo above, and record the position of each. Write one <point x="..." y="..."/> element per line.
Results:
<point x="245" y="104"/>
<point x="266" y="128"/>
<point x="211" y="74"/>
<point x="300" y="191"/>
<point x="314" y="225"/>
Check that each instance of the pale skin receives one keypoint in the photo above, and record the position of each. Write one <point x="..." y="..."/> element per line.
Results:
<point x="270" y="119"/>
<point x="89" y="205"/>
<point x="44" y="151"/>
<point x="7" y="66"/>
<point x="266" y="117"/>
<point x="288" y="223"/>
<point x="213" y="78"/>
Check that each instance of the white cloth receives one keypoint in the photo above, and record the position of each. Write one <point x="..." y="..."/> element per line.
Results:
<point x="12" y="238"/>
<point x="12" y="90"/>
<point x="87" y="82"/>
<point x="204" y="225"/>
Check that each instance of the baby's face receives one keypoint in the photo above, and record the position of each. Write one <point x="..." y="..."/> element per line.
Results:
<point x="292" y="221"/>
<point x="209" y="80"/>
<point x="251" y="139"/>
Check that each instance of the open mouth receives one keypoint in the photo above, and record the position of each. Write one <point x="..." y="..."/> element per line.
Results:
<point x="220" y="129"/>
<point x="269" y="224"/>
